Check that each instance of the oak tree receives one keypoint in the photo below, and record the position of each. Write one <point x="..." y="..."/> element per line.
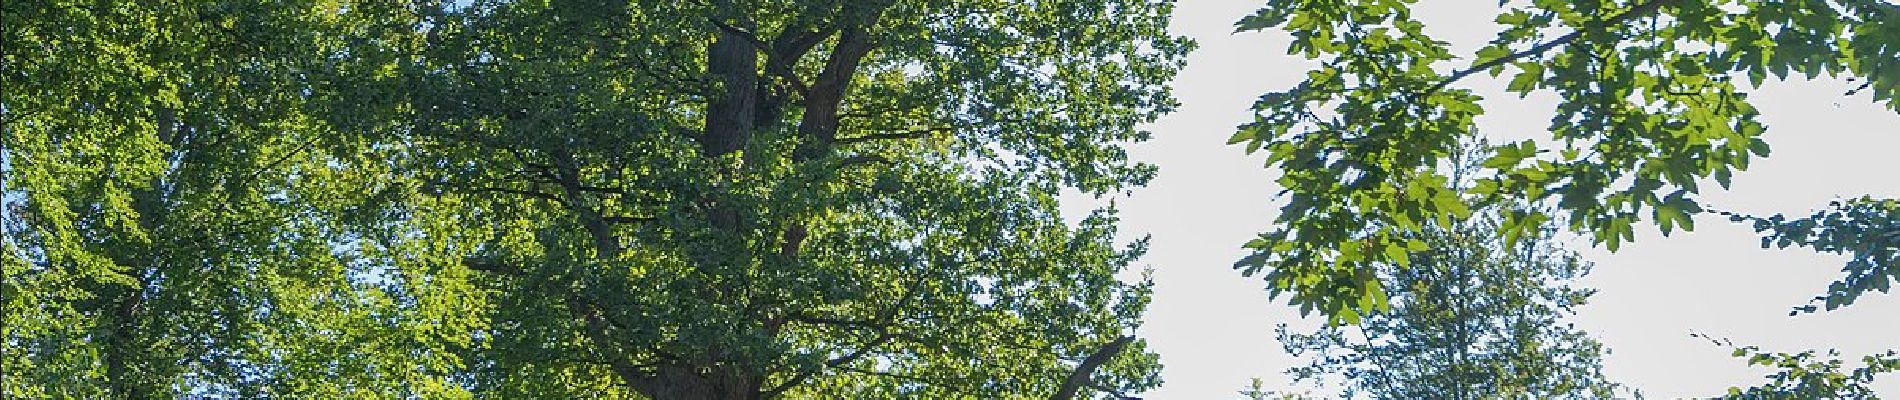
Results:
<point x="556" y="199"/>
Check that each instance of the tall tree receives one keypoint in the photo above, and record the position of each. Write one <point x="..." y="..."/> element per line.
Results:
<point x="672" y="200"/>
<point x="1470" y="317"/>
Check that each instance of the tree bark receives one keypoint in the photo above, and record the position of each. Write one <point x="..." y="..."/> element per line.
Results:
<point x="736" y="109"/>
<point x="717" y="382"/>
<point x="1073" y="385"/>
<point x="734" y="63"/>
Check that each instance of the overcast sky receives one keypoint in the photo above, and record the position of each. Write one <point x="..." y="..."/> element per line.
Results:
<point x="1214" y="328"/>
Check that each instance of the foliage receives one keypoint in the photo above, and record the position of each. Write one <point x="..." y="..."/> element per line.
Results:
<point x="1651" y="105"/>
<point x="1866" y="230"/>
<point x="1472" y="316"/>
<point x="1807" y="375"/>
<point x="555" y="199"/>
<point x="167" y="210"/>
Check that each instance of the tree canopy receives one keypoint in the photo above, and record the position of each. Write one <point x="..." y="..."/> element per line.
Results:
<point x="757" y="199"/>
<point x="623" y="199"/>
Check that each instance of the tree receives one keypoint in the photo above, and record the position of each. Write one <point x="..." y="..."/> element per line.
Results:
<point x="670" y="200"/>
<point x="1651" y="106"/>
<point x="165" y="206"/>
<point x="1470" y="317"/>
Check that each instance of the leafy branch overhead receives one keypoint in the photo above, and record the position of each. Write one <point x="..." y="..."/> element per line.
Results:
<point x="1652" y="106"/>
<point x="1809" y="374"/>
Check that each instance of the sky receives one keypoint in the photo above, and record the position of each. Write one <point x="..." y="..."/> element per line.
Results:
<point x="1214" y="328"/>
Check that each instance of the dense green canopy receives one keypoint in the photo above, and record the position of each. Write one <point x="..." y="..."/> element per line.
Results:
<point x="561" y="199"/>
<point x="749" y="199"/>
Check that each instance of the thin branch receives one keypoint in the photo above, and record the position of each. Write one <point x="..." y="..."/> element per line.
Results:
<point x="1637" y="11"/>
<point x="852" y="323"/>
<point x="1863" y="86"/>
<point x="917" y="133"/>
<point x="884" y="335"/>
<point x="622" y="219"/>
<point x="596" y="331"/>
<point x="280" y="161"/>
<point x="529" y="193"/>
<point x="832" y="363"/>
<point x="862" y="159"/>
<point x="943" y="385"/>
<point x="487" y="265"/>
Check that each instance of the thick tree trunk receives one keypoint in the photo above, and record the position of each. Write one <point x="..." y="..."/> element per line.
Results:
<point x="738" y="107"/>
<point x="734" y="62"/>
<point x="686" y="382"/>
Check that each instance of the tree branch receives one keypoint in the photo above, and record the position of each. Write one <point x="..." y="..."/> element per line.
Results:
<point x="791" y="45"/>
<point x="819" y="124"/>
<point x="623" y="219"/>
<point x="742" y="33"/>
<point x="490" y="266"/>
<point x="595" y="327"/>
<point x="1637" y="11"/>
<point x="882" y="338"/>
<point x="862" y="159"/>
<point x="917" y="133"/>
<point x="529" y="193"/>
<point x="853" y="323"/>
<point x="1080" y="376"/>
<point x="732" y="60"/>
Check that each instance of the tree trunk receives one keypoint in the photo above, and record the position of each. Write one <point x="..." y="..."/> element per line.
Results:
<point x="689" y="382"/>
<point x="734" y="62"/>
<point x="123" y="380"/>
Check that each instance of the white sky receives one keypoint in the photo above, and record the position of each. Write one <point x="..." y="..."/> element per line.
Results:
<point x="1214" y="328"/>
